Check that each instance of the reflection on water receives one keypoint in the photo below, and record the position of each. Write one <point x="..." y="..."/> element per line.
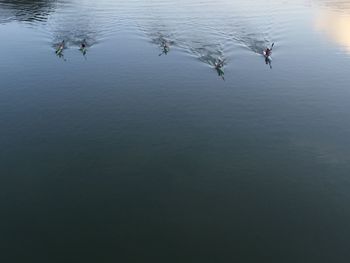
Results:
<point x="336" y="5"/>
<point x="26" y="10"/>
<point x="336" y="25"/>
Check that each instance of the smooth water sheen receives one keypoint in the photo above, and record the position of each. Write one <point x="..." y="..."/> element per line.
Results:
<point x="132" y="154"/>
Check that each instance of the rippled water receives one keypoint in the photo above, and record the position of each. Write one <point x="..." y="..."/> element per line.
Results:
<point x="138" y="150"/>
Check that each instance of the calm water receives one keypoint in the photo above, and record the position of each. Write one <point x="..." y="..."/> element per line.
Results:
<point x="132" y="154"/>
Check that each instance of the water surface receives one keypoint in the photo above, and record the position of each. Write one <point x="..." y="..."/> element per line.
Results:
<point x="132" y="154"/>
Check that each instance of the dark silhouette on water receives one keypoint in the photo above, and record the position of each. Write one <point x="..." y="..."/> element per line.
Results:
<point x="219" y="64"/>
<point x="83" y="47"/>
<point x="165" y="46"/>
<point x="59" y="50"/>
<point x="267" y="55"/>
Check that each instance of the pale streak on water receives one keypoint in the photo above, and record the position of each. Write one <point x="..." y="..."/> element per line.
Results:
<point x="132" y="154"/>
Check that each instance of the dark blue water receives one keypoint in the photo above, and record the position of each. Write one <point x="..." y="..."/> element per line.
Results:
<point x="138" y="151"/>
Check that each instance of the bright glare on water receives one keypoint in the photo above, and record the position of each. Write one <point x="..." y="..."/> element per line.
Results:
<point x="137" y="148"/>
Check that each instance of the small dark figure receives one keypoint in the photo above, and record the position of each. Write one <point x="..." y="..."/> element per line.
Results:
<point x="165" y="47"/>
<point x="219" y="64"/>
<point x="83" y="47"/>
<point x="267" y="52"/>
<point x="60" y="48"/>
<point x="83" y="44"/>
